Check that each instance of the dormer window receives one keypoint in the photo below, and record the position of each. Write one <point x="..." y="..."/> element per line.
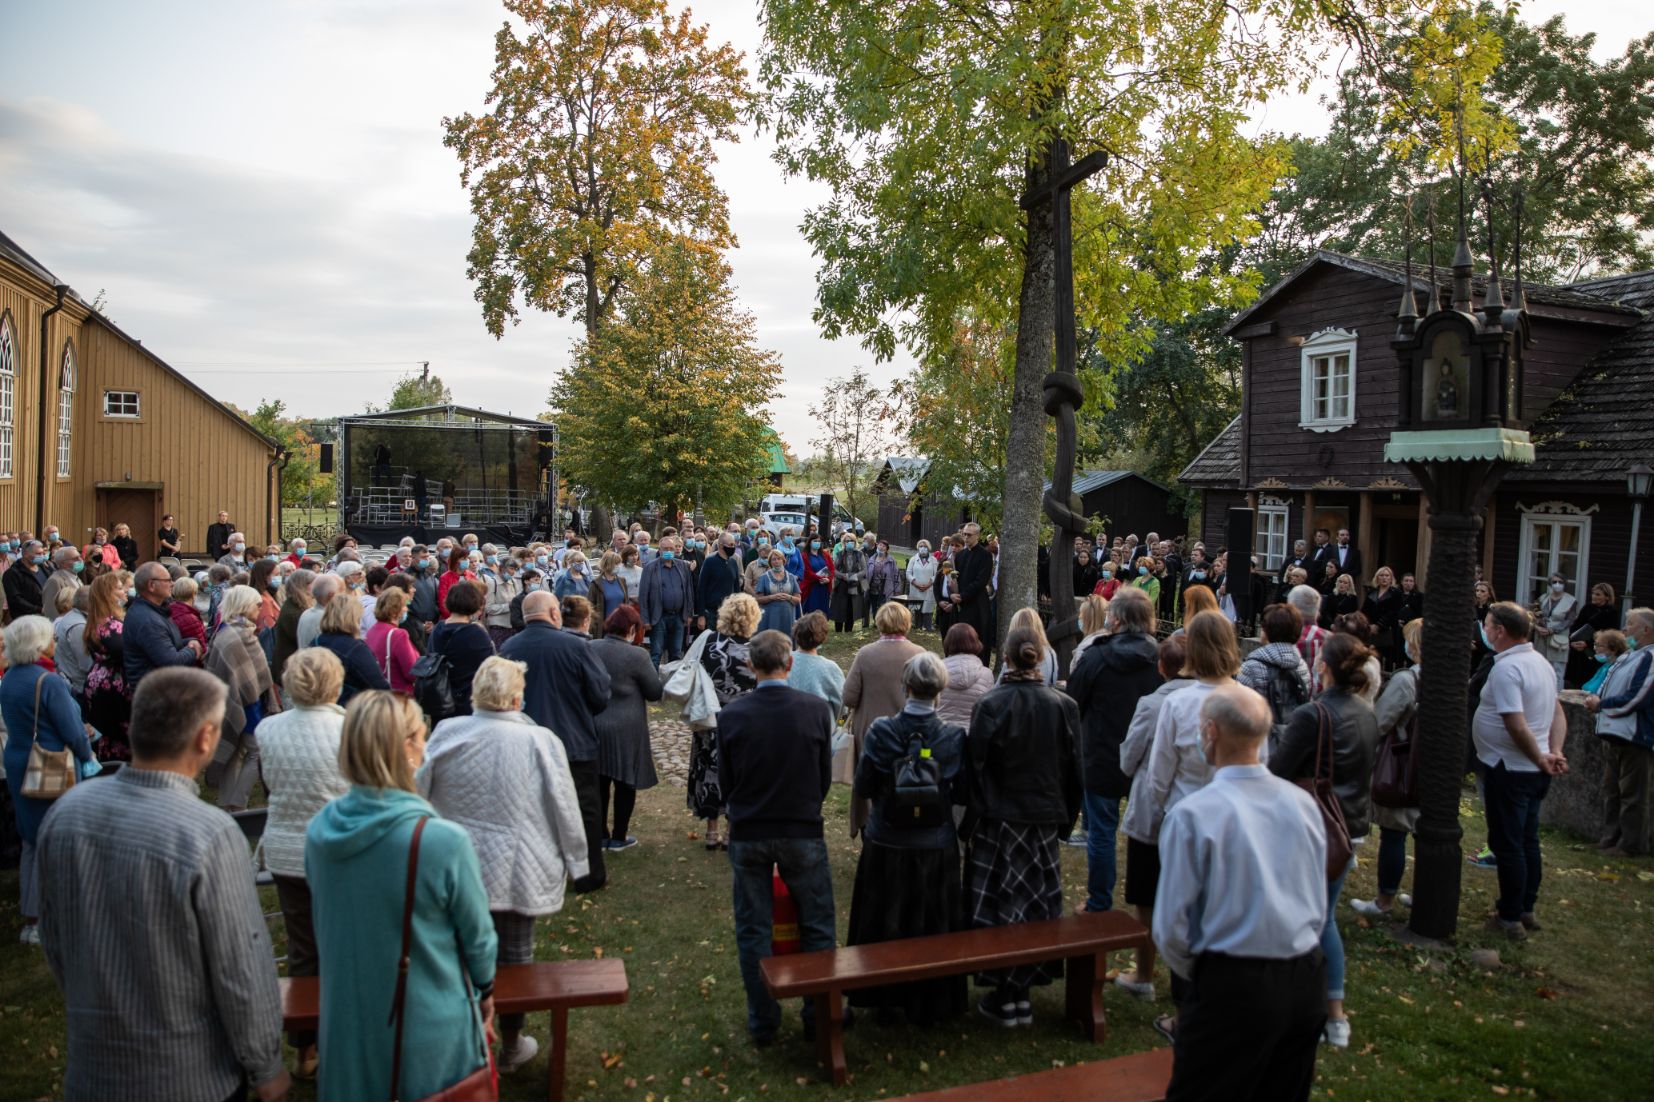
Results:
<point x="1327" y="402"/>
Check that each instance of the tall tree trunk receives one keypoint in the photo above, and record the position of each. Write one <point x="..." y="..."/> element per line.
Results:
<point x="1025" y="443"/>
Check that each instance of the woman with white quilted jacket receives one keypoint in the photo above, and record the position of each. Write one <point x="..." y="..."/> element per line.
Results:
<point x="506" y="780"/>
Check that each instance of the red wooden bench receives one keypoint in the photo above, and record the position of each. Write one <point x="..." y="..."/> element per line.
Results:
<point x="1083" y="941"/>
<point x="1140" y="1077"/>
<point x="557" y="986"/>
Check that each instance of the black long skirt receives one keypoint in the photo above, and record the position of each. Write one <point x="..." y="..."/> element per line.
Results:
<point x="899" y="893"/>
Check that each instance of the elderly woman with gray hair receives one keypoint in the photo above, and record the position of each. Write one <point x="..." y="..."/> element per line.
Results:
<point x="237" y="659"/>
<point x="907" y="880"/>
<point x="38" y="708"/>
<point x="506" y="780"/>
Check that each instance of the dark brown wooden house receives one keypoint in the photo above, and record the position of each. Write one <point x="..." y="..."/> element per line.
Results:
<point x="1319" y="401"/>
<point x="909" y="508"/>
<point x="1127" y="503"/>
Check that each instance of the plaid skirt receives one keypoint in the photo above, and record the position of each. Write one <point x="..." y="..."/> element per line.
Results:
<point x="1013" y="873"/>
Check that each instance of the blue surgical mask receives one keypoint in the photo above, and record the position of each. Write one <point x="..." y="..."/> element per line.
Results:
<point x="1603" y="658"/>
<point x="402" y="619"/>
<point x="787" y="542"/>
<point x="132" y="593"/>
<point x="762" y="542"/>
<point x="470" y="547"/>
<point x="239" y="548"/>
<point x="668" y="555"/>
<point x="491" y="559"/>
<point x="1141" y="570"/>
<point x="1107" y="574"/>
<point x="273" y="558"/>
<point x="41" y="560"/>
<point x="815" y="545"/>
<point x="541" y="559"/>
<point x="79" y="566"/>
<point x="423" y="564"/>
<point x="275" y="581"/>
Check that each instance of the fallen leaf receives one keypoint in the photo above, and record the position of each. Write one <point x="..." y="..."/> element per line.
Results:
<point x="1547" y="993"/>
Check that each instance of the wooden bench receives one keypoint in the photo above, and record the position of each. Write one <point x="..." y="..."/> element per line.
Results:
<point x="1140" y="1077"/>
<point x="557" y="986"/>
<point x="1083" y="941"/>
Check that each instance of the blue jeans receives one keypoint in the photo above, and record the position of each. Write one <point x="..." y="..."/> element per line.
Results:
<point x="1512" y="800"/>
<point x="1392" y="859"/>
<point x="804" y="869"/>
<point x="666" y="632"/>
<point x="1102" y="814"/>
<point x="1332" y="942"/>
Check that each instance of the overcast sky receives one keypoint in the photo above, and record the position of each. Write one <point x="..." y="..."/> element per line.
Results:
<point x="263" y="193"/>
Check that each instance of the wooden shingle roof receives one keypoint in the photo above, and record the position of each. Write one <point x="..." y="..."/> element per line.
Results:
<point x="1218" y="464"/>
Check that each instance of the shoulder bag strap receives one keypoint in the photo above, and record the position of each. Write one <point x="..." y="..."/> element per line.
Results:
<point x="407" y="948"/>
<point x="39" y="681"/>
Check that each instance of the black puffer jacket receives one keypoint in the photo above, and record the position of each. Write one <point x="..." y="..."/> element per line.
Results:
<point x="1354" y="730"/>
<point x="1023" y="756"/>
<point x="1110" y="678"/>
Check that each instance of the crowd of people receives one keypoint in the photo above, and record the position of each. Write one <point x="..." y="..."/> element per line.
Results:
<point x="450" y="740"/>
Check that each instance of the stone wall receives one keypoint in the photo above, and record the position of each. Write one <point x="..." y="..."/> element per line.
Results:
<point x="1575" y="799"/>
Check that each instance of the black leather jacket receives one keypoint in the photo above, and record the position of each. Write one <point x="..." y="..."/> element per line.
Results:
<point x="1354" y="730"/>
<point x="1107" y="682"/>
<point x="1023" y="756"/>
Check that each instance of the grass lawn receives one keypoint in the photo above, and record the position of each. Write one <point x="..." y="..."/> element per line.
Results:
<point x="1565" y="1017"/>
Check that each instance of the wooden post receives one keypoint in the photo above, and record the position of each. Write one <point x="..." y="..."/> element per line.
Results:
<point x="1309" y="523"/>
<point x="1421" y="557"/>
<point x="1366" y="542"/>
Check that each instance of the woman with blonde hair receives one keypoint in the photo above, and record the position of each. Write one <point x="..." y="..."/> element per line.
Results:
<point x="125" y="546"/>
<point x="506" y="780"/>
<point x="341" y="634"/>
<point x="607" y="592"/>
<point x="725" y="660"/>
<point x="389" y="642"/>
<point x="238" y="660"/>
<point x="362" y="854"/>
<point x="1029" y="619"/>
<point x="1341" y="602"/>
<point x="108" y="699"/>
<point x="1093" y="625"/>
<point x="182" y="610"/>
<point x="1198" y="599"/>
<point x="1146" y="580"/>
<point x="299" y="757"/>
<point x="873" y="690"/>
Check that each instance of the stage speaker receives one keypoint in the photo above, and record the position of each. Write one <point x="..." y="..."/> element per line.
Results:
<point x="326" y="460"/>
<point x="824" y="520"/>
<point x="1240" y="564"/>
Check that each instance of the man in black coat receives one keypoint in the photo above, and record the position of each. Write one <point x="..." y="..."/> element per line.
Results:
<point x="975" y="567"/>
<point x="1348" y="557"/>
<point x="566" y="687"/>
<point x="1107" y="682"/>
<point x="718" y="577"/>
<point x="25" y="582"/>
<point x="218" y="537"/>
<point x="775" y="766"/>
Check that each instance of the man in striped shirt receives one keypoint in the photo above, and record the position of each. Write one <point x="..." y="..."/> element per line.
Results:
<point x="151" y="923"/>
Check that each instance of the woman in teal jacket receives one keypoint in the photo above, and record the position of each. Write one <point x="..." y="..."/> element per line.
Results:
<point x="356" y="862"/>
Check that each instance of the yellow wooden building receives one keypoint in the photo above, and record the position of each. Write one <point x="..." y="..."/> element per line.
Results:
<point x="95" y="429"/>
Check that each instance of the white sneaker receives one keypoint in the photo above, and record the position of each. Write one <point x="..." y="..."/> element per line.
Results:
<point x="1144" y="991"/>
<point x="1337" y="1033"/>
<point x="524" y="1051"/>
<point x="1368" y="908"/>
<point x="31" y="934"/>
<point x="1405" y="900"/>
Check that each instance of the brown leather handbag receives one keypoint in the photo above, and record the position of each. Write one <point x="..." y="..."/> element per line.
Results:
<point x="1339" y="850"/>
<point x="50" y="773"/>
<point x="481" y="1085"/>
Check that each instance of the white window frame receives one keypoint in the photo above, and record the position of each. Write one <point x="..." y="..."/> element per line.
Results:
<point x="1554" y="516"/>
<point x="122" y="414"/>
<point x="1318" y="412"/>
<point x="8" y="396"/>
<point x="1269" y="541"/>
<point x="66" y="413"/>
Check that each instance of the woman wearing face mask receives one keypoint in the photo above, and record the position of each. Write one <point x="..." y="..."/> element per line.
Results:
<point x="884" y="578"/>
<point x="101" y="549"/>
<point x="947" y="598"/>
<point x="459" y="569"/>
<point x="108" y="701"/>
<point x="849" y="599"/>
<point x="921" y="580"/>
<point x="500" y="589"/>
<point x="606" y="593"/>
<point x="1108" y="581"/>
<point x="631" y="571"/>
<point x="1397" y="705"/>
<point x="266" y="583"/>
<point x="817" y="582"/>
<point x="1558" y="609"/>
<point x="389" y="641"/>
<point x="1601" y="613"/>
<point x="1485" y="599"/>
<point x="1145" y="579"/>
<point x="778" y="596"/>
<point x="575" y="579"/>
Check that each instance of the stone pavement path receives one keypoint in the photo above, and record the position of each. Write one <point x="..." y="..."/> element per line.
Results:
<point x="669" y="738"/>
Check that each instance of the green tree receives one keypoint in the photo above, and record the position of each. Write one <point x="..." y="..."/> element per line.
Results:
<point x="424" y="389"/>
<point x="853" y="419"/>
<point x="597" y="150"/>
<point x="666" y="404"/>
<point x="301" y="478"/>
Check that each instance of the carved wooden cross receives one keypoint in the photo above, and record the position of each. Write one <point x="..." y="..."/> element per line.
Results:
<point x="1063" y="394"/>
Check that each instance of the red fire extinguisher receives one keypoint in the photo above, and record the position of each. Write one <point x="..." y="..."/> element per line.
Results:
<point x="783" y="918"/>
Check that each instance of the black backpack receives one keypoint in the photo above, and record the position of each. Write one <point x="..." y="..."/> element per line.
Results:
<point x="433" y="686"/>
<point x="918" y="796"/>
<point x="1284" y="692"/>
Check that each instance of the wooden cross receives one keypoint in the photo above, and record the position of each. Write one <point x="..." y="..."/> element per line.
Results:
<point x="1063" y="394"/>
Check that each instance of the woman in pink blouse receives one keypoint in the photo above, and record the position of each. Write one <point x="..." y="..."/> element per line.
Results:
<point x="389" y="642"/>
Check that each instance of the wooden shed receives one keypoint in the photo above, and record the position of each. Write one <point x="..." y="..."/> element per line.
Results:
<point x="1128" y="503"/>
<point x="909" y="509"/>
<point x="96" y="429"/>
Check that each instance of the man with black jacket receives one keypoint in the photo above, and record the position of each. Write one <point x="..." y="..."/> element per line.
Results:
<point x="218" y="536"/>
<point x="775" y="767"/>
<point x="566" y="687"/>
<point x="975" y="567"/>
<point x="1110" y="678"/>
<point x="718" y="577"/>
<point x="25" y="582"/>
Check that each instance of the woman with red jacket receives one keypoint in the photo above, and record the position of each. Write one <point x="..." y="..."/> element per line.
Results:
<point x="457" y="569"/>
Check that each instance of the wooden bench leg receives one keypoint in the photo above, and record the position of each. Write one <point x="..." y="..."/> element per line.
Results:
<point x="557" y="1062"/>
<point x="1085" y="978"/>
<point x="829" y="1025"/>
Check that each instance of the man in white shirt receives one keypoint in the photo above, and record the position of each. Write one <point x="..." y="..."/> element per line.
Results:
<point x="1238" y="914"/>
<point x="1518" y="731"/>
